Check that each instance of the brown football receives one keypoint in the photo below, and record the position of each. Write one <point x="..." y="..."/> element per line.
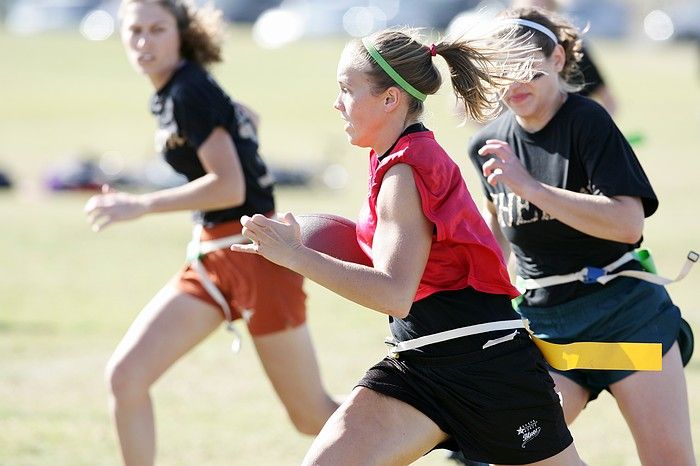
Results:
<point x="333" y="235"/>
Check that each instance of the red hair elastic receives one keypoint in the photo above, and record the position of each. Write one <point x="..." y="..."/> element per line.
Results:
<point x="433" y="50"/>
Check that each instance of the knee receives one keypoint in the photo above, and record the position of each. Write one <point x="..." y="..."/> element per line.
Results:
<point x="124" y="381"/>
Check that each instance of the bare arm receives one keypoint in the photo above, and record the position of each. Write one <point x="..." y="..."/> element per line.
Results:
<point x="222" y="186"/>
<point x="604" y="97"/>
<point x="400" y="249"/>
<point x="616" y="218"/>
<point x="490" y="216"/>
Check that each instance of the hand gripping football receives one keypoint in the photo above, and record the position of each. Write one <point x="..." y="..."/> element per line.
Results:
<point x="332" y="235"/>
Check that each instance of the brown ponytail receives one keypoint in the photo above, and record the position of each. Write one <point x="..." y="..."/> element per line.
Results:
<point x="479" y="67"/>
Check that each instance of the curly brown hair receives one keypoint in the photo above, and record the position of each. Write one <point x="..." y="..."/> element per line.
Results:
<point x="567" y="35"/>
<point x="201" y="29"/>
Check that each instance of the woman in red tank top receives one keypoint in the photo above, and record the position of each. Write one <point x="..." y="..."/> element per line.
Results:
<point x="435" y="268"/>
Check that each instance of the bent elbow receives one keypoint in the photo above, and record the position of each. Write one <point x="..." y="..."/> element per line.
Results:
<point x="631" y="238"/>
<point x="233" y="194"/>
<point x="627" y="236"/>
<point x="629" y="220"/>
<point x="400" y="313"/>
<point x="632" y="233"/>
<point x="237" y="195"/>
<point x="400" y="307"/>
<point x="224" y="192"/>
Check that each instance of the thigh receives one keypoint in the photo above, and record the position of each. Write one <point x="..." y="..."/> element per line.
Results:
<point x="374" y="429"/>
<point x="289" y="360"/>
<point x="567" y="457"/>
<point x="574" y="397"/>
<point x="170" y="325"/>
<point x="655" y="406"/>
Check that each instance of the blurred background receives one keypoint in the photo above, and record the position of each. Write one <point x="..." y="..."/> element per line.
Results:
<point x="74" y="115"/>
<point x="659" y="20"/>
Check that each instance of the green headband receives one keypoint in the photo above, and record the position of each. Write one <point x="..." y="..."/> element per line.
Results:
<point x="391" y="72"/>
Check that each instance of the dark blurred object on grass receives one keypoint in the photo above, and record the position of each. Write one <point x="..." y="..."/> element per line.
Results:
<point x="5" y="180"/>
<point x="75" y="175"/>
<point x="88" y="172"/>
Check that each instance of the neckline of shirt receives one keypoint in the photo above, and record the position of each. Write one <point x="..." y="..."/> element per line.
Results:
<point x="414" y="128"/>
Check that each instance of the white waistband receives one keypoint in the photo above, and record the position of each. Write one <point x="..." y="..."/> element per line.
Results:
<point x="198" y="248"/>
<point x="397" y="347"/>
<point x="208" y="246"/>
<point x="603" y="275"/>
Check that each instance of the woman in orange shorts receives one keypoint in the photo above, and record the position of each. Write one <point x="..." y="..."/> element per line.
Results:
<point x="212" y="140"/>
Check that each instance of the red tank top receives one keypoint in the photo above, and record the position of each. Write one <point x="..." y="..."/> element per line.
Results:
<point x="464" y="252"/>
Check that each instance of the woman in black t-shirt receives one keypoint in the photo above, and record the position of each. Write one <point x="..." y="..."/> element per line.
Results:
<point x="565" y="191"/>
<point x="211" y="140"/>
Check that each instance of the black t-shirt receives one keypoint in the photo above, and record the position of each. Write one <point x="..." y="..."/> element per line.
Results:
<point x="188" y="108"/>
<point x="581" y="150"/>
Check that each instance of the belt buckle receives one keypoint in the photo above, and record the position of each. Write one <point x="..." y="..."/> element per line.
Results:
<point x="391" y="343"/>
<point x="592" y="274"/>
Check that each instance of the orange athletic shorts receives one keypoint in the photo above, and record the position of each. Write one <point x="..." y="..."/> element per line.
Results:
<point x="272" y="296"/>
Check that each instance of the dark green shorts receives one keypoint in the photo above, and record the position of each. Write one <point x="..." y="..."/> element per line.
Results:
<point x="625" y="310"/>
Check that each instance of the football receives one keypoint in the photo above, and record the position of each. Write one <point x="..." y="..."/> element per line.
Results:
<point x="332" y="235"/>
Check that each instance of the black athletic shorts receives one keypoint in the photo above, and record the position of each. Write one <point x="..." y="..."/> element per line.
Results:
<point x="497" y="404"/>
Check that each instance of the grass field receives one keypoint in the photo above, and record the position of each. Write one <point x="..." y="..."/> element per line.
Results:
<point x="67" y="295"/>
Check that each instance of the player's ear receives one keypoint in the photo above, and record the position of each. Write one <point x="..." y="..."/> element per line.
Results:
<point x="558" y="57"/>
<point x="392" y="98"/>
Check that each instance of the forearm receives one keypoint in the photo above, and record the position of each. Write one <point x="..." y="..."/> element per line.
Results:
<point x="209" y="192"/>
<point x="605" y="98"/>
<point x="401" y="245"/>
<point x="492" y="222"/>
<point x="363" y="285"/>
<point x="618" y="219"/>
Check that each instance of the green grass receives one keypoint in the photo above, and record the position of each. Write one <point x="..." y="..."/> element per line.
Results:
<point x="67" y="295"/>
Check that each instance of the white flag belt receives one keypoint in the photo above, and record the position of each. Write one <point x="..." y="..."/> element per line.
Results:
<point x="397" y="347"/>
<point x="603" y="275"/>
<point x="196" y="249"/>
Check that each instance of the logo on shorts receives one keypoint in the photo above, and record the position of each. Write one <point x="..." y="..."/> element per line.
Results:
<point x="529" y="431"/>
